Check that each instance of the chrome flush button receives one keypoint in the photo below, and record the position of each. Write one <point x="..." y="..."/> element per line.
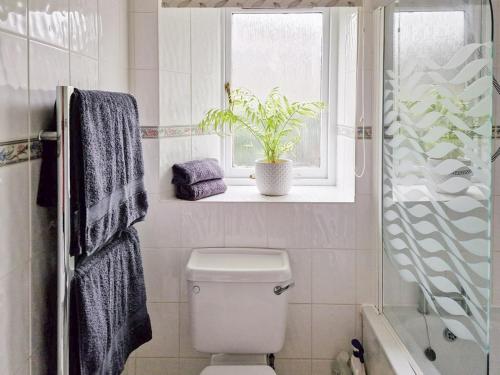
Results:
<point x="196" y="289"/>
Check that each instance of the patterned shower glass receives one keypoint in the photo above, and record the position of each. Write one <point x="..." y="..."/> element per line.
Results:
<point x="437" y="146"/>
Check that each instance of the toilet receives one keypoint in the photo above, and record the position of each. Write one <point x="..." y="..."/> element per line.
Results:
<point x="238" y="300"/>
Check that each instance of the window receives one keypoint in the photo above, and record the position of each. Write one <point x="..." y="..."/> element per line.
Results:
<point x="290" y="50"/>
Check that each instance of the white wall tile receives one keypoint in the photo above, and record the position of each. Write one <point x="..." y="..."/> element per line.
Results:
<point x="332" y="226"/>
<point x="108" y="30"/>
<point x="112" y="78"/>
<point x="145" y="40"/>
<point x="84" y="72"/>
<point x="150" y="153"/>
<point x="334" y="276"/>
<point x="162" y="274"/>
<point x="165" y="326"/>
<point x="321" y="367"/>
<point x="300" y="263"/>
<point x="202" y="225"/>
<point x="175" y="39"/>
<point x="172" y="150"/>
<point x="43" y="309"/>
<point x="365" y="222"/>
<point x="83" y="19"/>
<point x="192" y="366"/>
<point x="175" y="98"/>
<point x="206" y="40"/>
<point x="162" y="227"/>
<point x="13" y="16"/>
<point x="293" y="366"/>
<point x="129" y="367"/>
<point x="366" y="277"/>
<point x="13" y="87"/>
<point x="144" y="87"/>
<point x="207" y="93"/>
<point x="49" y="67"/>
<point x="333" y="328"/>
<point x="49" y="21"/>
<point x="206" y="146"/>
<point x="285" y="227"/>
<point x="157" y="366"/>
<point x="113" y="45"/>
<point x="14" y="203"/>
<point x="186" y="253"/>
<point x="245" y="224"/>
<point x="14" y="322"/>
<point x="144" y="5"/>
<point x="43" y="220"/>
<point x="298" y="332"/>
<point x="311" y="225"/>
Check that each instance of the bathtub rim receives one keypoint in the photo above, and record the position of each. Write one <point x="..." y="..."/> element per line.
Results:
<point x="397" y="354"/>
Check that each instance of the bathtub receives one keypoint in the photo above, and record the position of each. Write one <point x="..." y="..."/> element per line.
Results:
<point x="388" y="353"/>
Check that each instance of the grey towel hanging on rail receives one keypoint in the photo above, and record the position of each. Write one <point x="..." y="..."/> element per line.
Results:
<point x="109" y="314"/>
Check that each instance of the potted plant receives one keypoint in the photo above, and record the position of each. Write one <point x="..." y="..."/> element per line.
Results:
<point x="442" y="105"/>
<point x="275" y="123"/>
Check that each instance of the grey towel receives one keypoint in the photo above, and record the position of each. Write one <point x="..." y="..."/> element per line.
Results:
<point x="109" y="313"/>
<point x="195" y="171"/>
<point x="200" y="190"/>
<point x="107" y="167"/>
<point x="47" y="187"/>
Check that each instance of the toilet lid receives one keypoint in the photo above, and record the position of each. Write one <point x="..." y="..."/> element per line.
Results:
<point x="238" y="370"/>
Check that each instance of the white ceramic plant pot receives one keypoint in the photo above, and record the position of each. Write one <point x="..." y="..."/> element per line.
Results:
<point x="274" y="178"/>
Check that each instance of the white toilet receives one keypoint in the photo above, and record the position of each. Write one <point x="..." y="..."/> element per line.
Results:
<point x="238" y="304"/>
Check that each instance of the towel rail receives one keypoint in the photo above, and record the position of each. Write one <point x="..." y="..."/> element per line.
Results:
<point x="65" y="264"/>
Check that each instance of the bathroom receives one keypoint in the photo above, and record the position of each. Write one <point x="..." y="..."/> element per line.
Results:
<point x="337" y="226"/>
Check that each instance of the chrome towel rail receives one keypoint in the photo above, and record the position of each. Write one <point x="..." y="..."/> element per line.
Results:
<point x="65" y="264"/>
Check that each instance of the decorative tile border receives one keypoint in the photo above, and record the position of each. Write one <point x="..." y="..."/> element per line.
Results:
<point x="18" y="151"/>
<point x="364" y="132"/>
<point x="12" y="152"/>
<point x="358" y="132"/>
<point x="496" y="132"/>
<point x="153" y="132"/>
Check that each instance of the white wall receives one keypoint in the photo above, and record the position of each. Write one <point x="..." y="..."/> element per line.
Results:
<point x="330" y="245"/>
<point x="48" y="43"/>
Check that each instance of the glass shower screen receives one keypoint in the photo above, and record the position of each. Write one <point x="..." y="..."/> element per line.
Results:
<point x="436" y="173"/>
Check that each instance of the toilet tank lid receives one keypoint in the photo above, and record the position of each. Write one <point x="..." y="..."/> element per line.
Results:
<point x="238" y="265"/>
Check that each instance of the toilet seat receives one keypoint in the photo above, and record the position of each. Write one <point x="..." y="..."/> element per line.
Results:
<point x="238" y="370"/>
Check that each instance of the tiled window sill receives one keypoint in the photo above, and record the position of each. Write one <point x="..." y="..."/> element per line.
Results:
<point x="298" y="194"/>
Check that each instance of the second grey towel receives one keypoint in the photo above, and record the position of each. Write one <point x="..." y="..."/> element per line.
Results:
<point x="200" y="190"/>
<point x="109" y="313"/>
<point x="195" y="171"/>
<point x="107" y="167"/>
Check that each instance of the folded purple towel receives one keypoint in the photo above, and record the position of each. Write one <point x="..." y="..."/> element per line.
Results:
<point x="200" y="190"/>
<point x="195" y="171"/>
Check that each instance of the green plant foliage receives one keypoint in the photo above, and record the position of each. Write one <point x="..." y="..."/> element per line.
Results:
<point x="275" y="123"/>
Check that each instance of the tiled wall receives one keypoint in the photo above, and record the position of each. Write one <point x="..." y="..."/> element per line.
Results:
<point x="330" y="245"/>
<point x="43" y="44"/>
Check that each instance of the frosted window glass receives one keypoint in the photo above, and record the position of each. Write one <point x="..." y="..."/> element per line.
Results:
<point x="278" y="50"/>
<point x="429" y="35"/>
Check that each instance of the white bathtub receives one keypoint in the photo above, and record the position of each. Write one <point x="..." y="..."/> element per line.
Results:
<point x="388" y="353"/>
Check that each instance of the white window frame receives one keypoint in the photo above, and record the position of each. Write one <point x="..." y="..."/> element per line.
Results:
<point x="326" y="173"/>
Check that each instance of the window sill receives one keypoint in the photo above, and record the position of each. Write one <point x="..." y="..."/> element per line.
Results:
<point x="298" y="194"/>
